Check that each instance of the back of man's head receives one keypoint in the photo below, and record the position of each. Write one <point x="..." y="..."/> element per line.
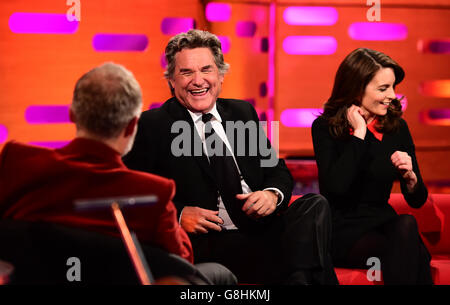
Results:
<point x="105" y="100"/>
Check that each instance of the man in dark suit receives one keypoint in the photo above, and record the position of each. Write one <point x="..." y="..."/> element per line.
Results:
<point x="232" y="196"/>
<point x="39" y="184"/>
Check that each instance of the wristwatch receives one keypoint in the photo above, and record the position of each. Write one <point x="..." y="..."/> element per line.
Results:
<point x="278" y="195"/>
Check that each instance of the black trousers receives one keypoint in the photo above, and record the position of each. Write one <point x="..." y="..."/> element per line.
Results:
<point x="293" y="249"/>
<point x="404" y="259"/>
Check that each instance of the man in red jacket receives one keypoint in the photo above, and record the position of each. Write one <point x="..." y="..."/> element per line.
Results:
<point x="39" y="184"/>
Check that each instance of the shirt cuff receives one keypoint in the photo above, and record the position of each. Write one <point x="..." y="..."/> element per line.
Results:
<point x="275" y="189"/>
<point x="179" y="218"/>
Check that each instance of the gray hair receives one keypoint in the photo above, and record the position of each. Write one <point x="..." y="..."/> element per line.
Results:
<point x="106" y="99"/>
<point x="191" y="40"/>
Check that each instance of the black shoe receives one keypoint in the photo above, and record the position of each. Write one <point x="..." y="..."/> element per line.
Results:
<point x="303" y="277"/>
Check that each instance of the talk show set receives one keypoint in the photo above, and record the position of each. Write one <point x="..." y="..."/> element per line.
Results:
<point x="225" y="151"/>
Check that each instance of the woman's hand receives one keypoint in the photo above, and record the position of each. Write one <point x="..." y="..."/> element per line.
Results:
<point x="357" y="121"/>
<point x="403" y="163"/>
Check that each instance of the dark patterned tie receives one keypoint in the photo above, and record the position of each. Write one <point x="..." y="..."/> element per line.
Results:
<point x="228" y="180"/>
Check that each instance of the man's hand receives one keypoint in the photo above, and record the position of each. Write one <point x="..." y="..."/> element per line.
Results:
<point x="259" y="204"/>
<point x="198" y="220"/>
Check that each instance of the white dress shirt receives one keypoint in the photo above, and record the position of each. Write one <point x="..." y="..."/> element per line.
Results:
<point x="216" y="123"/>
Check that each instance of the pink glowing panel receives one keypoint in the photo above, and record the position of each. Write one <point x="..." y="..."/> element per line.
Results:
<point x="226" y="43"/>
<point x="299" y="117"/>
<point x="435" y="88"/>
<point x="50" y="144"/>
<point x="439" y="117"/>
<point x="218" y="12"/>
<point x="120" y="42"/>
<point x="309" y="45"/>
<point x="3" y="133"/>
<point x="245" y="28"/>
<point x="41" y="23"/>
<point x="377" y="31"/>
<point x="309" y="15"/>
<point x="163" y="61"/>
<point x="271" y="68"/>
<point x="403" y="102"/>
<point x="48" y="114"/>
<point x="173" y="26"/>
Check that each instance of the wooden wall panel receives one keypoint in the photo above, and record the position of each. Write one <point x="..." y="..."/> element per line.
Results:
<point x="42" y="69"/>
<point x="305" y="81"/>
<point x="249" y="65"/>
<point x="311" y="76"/>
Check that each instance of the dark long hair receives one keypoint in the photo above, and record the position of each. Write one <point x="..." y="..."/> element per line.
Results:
<point x="352" y="77"/>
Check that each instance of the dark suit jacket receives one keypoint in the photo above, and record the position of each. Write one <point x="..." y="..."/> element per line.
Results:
<point x="194" y="180"/>
<point x="38" y="184"/>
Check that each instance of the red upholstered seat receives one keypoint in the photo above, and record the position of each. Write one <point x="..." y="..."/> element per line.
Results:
<point x="354" y="277"/>
<point x="440" y="266"/>
<point x="435" y="233"/>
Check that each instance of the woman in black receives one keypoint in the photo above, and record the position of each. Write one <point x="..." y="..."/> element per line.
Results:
<point x="362" y="145"/>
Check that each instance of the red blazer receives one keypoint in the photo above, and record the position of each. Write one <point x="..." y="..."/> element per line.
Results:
<point x="39" y="184"/>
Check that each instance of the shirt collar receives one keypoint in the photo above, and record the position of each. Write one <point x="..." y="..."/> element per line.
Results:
<point x="196" y="116"/>
<point x="95" y="151"/>
<point x="371" y="126"/>
<point x="376" y="133"/>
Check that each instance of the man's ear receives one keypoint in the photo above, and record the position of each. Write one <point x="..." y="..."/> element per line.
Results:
<point x="72" y="116"/>
<point x="172" y="90"/>
<point x="129" y="129"/>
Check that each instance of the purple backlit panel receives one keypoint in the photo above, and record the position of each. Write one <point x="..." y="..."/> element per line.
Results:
<point x="50" y="144"/>
<point x="245" y="29"/>
<point x="173" y="26"/>
<point x="119" y="42"/>
<point x="251" y="101"/>
<point x="439" y="114"/>
<point x="262" y="116"/>
<point x="218" y="12"/>
<point x="225" y="42"/>
<point x="264" y="45"/>
<point x="309" y="45"/>
<point x="440" y="47"/>
<point x="47" y="114"/>
<point x="437" y="46"/>
<point x="436" y="117"/>
<point x="41" y="23"/>
<point x="377" y="31"/>
<point x="263" y="89"/>
<point x="308" y="15"/>
<point x="3" y="133"/>
<point x="300" y="117"/>
<point x="155" y="105"/>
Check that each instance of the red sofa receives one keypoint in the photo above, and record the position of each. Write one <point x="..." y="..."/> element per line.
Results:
<point x="435" y="233"/>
